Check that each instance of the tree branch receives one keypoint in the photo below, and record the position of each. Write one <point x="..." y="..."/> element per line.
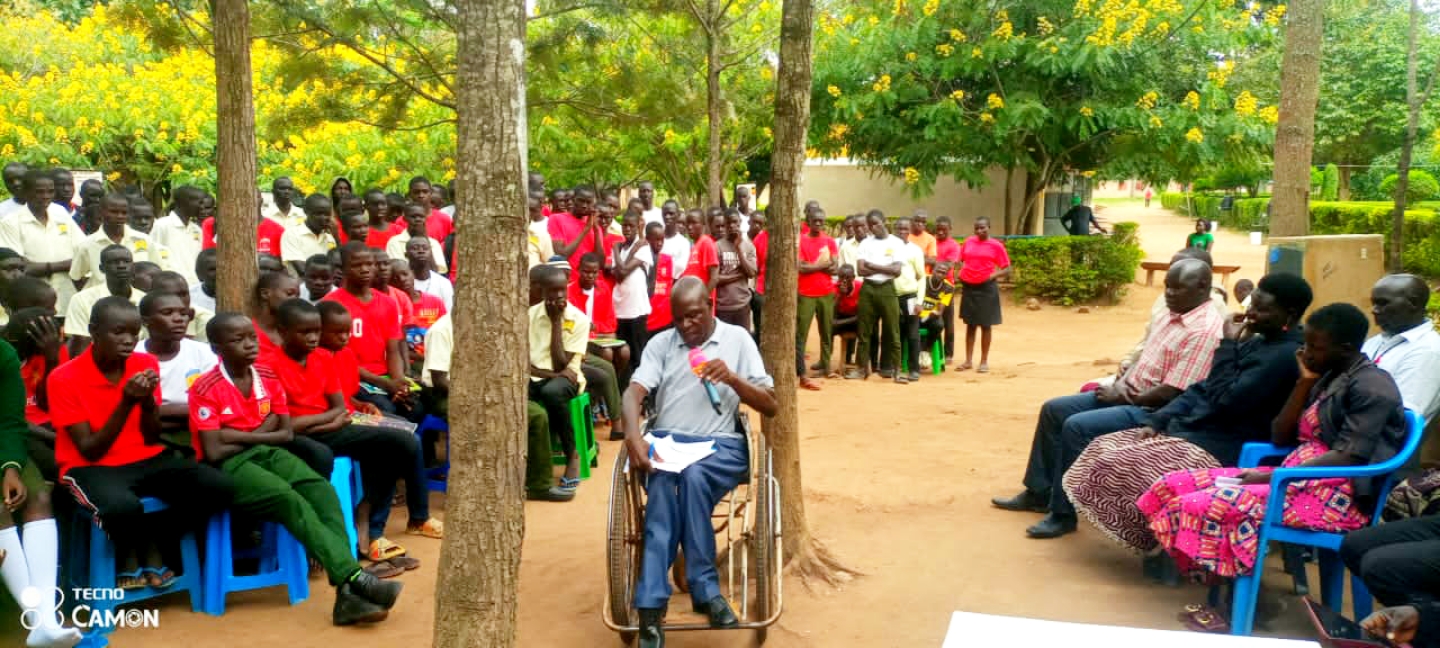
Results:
<point x="564" y="10"/>
<point x="380" y="63"/>
<point x="425" y="59"/>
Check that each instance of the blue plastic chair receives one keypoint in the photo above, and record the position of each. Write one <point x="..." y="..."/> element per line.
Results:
<point x="1327" y="545"/>
<point x="92" y="560"/>
<point x="282" y="562"/>
<point x="435" y="478"/>
<point x="345" y="479"/>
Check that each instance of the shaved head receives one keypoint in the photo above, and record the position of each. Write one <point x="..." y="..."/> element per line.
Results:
<point x="1187" y="285"/>
<point x="688" y="288"/>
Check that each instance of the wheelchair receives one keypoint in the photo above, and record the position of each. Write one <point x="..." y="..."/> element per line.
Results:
<point x="747" y="526"/>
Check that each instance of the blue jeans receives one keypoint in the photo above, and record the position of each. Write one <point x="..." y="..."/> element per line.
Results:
<point x="1067" y="425"/>
<point x="677" y="514"/>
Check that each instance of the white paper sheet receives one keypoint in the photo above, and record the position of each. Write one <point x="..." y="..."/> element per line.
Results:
<point x="673" y="456"/>
<point x="970" y="630"/>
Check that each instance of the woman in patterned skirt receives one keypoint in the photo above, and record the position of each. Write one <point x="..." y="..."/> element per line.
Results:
<point x="1344" y="411"/>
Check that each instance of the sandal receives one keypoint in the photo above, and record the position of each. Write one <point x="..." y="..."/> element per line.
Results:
<point x="431" y="528"/>
<point x="983" y="368"/>
<point x="384" y="569"/>
<point x="808" y="384"/>
<point x="384" y="549"/>
<point x="1203" y="618"/>
<point x="406" y="563"/>
<point x="570" y="484"/>
<point x="965" y="367"/>
<point x="158" y="577"/>
<point x="130" y="580"/>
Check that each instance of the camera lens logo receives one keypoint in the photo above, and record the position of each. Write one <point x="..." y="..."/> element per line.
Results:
<point x="32" y="617"/>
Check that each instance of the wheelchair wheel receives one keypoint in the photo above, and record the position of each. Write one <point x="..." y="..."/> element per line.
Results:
<point x="624" y="548"/>
<point x="763" y="538"/>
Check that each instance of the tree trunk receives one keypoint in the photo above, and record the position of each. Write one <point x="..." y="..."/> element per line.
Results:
<point x="1402" y="173"/>
<point x="238" y="203"/>
<point x="1344" y="184"/>
<point x="714" y="102"/>
<point x="475" y="597"/>
<point x="1009" y="219"/>
<point x="805" y="554"/>
<point x="1034" y="187"/>
<point x="1295" y="134"/>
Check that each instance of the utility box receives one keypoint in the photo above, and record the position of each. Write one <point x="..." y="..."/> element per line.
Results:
<point x="1340" y="268"/>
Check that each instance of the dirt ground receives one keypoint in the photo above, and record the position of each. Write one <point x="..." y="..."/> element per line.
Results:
<point x="898" y="481"/>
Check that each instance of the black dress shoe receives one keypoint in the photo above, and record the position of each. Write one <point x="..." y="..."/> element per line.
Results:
<point x="380" y="592"/>
<point x="651" y="636"/>
<point x="352" y="608"/>
<point x="1027" y="500"/>
<point x="721" y="616"/>
<point x="1053" y="526"/>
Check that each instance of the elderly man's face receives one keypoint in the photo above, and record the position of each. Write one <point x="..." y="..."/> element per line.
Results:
<point x="692" y="316"/>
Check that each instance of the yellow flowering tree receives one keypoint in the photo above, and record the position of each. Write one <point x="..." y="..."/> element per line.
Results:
<point x="1046" y="87"/>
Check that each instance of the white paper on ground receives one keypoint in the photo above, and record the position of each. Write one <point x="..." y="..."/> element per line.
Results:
<point x="968" y="629"/>
<point x="673" y="456"/>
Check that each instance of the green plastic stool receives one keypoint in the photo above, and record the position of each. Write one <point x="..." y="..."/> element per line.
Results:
<point x="583" y="426"/>
<point x="937" y="350"/>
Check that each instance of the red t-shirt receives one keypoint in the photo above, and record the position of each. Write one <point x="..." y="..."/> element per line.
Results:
<point x="346" y="370"/>
<point x="307" y="386"/>
<point x="207" y="233"/>
<point x="31" y="373"/>
<point x="427" y="309"/>
<point x="762" y="249"/>
<point x="403" y="303"/>
<point x="438" y="225"/>
<point x="602" y="310"/>
<point x="268" y="348"/>
<point x="948" y="250"/>
<point x="79" y="393"/>
<point x="982" y="258"/>
<point x="376" y="323"/>
<point x="812" y="248"/>
<point x="267" y="235"/>
<point x="217" y="403"/>
<point x="660" y="299"/>
<point x="704" y="258"/>
<point x="847" y="304"/>
<point x="378" y="238"/>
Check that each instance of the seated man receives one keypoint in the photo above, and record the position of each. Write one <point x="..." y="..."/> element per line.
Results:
<point x="677" y="512"/>
<point x="182" y="361"/>
<point x="1177" y="354"/>
<point x="376" y="338"/>
<point x="174" y="284"/>
<point x="595" y="297"/>
<point x="558" y="335"/>
<point x="240" y="416"/>
<point x="28" y="560"/>
<point x="1407" y="348"/>
<point x="539" y="477"/>
<point x="319" y="278"/>
<point x="1400" y="564"/>
<point x="104" y="404"/>
<point x="35" y="334"/>
<point x="115" y="263"/>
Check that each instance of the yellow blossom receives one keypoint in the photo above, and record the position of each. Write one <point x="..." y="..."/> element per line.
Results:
<point x="976" y="53"/>
<point x="1270" y="114"/>
<point x="1192" y="100"/>
<point x="834" y="91"/>
<point x="1273" y="16"/>
<point x="944" y="49"/>
<point x="766" y="73"/>
<point x="873" y="20"/>
<point x="769" y="134"/>
<point x="995" y="101"/>
<point x="1245" y="104"/>
<point x="1044" y="26"/>
<point x="1156" y="122"/>
<point x="54" y="160"/>
<point x="911" y="56"/>
<point x="177" y="169"/>
<point x="1087" y="111"/>
<point x="1004" y="31"/>
<point x="87" y="147"/>
<point x="112" y="176"/>
<point x="912" y="176"/>
<point x="838" y="131"/>
<point x="848" y="19"/>
<point x="7" y="150"/>
<point x="1194" y="135"/>
<point x="931" y="6"/>
<point x="1147" y="100"/>
<point x="957" y="36"/>
<point x="899" y="7"/>
<point x="987" y="118"/>
<point x="883" y="84"/>
<point x="957" y="95"/>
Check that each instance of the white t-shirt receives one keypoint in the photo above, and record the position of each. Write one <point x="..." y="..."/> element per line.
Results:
<point x="179" y="372"/>
<point x="439" y="344"/>
<point x="631" y="296"/>
<point x="880" y="252"/>
<point x="438" y="286"/>
<point x="199" y="298"/>
<point x="678" y="249"/>
<point x="1412" y="358"/>
<point x="652" y="215"/>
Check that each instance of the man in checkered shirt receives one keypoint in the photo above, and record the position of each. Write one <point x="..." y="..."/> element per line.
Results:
<point x="1177" y="353"/>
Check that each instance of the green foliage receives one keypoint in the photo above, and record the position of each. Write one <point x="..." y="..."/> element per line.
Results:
<point x="1422" y="229"/>
<point x="1317" y="178"/>
<point x="1075" y="269"/>
<point x="1330" y="183"/>
<point x="1245" y="214"/>
<point x="1247" y="175"/>
<point x="1422" y="186"/>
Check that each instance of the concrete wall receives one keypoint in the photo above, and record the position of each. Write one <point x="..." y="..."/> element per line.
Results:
<point x="844" y="187"/>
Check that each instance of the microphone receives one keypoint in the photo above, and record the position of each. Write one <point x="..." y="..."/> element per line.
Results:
<point x="697" y="364"/>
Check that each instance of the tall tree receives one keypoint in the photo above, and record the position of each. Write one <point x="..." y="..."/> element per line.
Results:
<point x="475" y="598"/>
<point x="238" y="202"/>
<point x="1295" y="133"/>
<point x="806" y="555"/>
<point x="1415" y="100"/>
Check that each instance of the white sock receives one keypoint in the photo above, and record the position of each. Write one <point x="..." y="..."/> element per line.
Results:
<point x="14" y="570"/>
<point x="42" y="550"/>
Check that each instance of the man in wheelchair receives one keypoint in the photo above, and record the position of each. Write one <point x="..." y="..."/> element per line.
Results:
<point x="678" y="508"/>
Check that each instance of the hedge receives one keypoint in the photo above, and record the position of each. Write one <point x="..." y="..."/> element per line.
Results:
<point x="1245" y="214"/>
<point x="1075" y="269"/>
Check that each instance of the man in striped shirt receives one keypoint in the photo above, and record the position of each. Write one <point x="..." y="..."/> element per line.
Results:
<point x="1178" y="353"/>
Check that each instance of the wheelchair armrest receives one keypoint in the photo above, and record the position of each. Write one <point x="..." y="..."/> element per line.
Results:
<point x="1253" y="453"/>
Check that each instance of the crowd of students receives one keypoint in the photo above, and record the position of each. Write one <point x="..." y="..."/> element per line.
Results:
<point x="1148" y="455"/>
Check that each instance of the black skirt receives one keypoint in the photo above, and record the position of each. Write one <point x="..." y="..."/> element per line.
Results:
<point x="980" y="303"/>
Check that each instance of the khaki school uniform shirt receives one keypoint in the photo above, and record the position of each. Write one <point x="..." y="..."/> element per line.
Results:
<point x="395" y="249"/>
<point x="86" y="265"/>
<point x="77" y="316"/>
<point x="55" y="240"/>
<point x="299" y="244"/>
<point x="576" y="338"/>
<point x="183" y="241"/>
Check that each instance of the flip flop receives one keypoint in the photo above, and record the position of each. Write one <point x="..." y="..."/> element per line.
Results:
<point x="809" y="384"/>
<point x="159" y="577"/>
<point x="569" y="484"/>
<point x="383" y="549"/>
<point x="384" y="569"/>
<point x="131" y="580"/>
<point x="983" y="368"/>
<point x="1203" y="618"/>
<point x="406" y="563"/>
<point x="431" y="528"/>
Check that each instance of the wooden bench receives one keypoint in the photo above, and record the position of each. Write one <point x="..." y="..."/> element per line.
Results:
<point x="1151" y="267"/>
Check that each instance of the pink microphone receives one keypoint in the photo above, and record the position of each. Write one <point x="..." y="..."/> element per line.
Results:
<point x="697" y="364"/>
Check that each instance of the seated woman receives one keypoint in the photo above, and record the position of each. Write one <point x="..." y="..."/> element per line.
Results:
<point x="1205" y="427"/>
<point x="1343" y="411"/>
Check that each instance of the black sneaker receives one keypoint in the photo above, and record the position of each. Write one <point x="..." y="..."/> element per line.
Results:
<point x="719" y="612"/>
<point x="651" y="635"/>
<point x="352" y="608"/>
<point x="381" y="593"/>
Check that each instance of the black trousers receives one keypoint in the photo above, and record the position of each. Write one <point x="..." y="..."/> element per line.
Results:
<point x="909" y="332"/>
<point x="634" y="334"/>
<point x="554" y="395"/>
<point x="385" y="455"/>
<point x="757" y="304"/>
<point x="1399" y="561"/>
<point x="193" y="492"/>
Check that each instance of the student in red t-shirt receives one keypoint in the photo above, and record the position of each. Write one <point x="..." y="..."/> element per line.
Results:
<point x="983" y="262"/>
<point x="574" y="234"/>
<point x="241" y="418"/>
<point x="437" y="225"/>
<point x="376" y="212"/>
<point x="594" y="297"/>
<point x="947" y="249"/>
<point x="318" y="412"/>
<point x="36" y="338"/>
<point x="658" y="280"/>
<point x="375" y="335"/>
<point x="704" y="258"/>
<point x="335" y="323"/>
<point x="383" y="286"/>
<point x="105" y="406"/>
<point x="819" y="257"/>
<point x="847" y="308"/>
<point x="760" y="238"/>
